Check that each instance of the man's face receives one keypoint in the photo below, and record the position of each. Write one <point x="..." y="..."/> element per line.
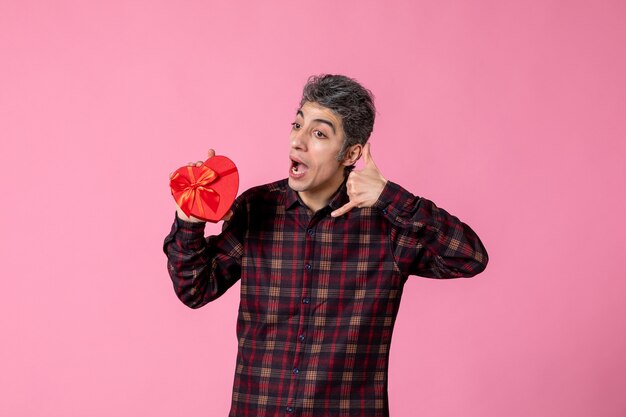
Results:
<point x="316" y="139"/>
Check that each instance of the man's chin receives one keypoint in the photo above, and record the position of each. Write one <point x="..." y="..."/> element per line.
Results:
<point x="296" y="185"/>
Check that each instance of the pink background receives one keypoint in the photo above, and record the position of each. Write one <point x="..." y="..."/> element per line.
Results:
<point x="510" y="115"/>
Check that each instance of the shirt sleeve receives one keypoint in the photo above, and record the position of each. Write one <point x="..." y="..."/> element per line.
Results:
<point x="427" y="240"/>
<point x="202" y="269"/>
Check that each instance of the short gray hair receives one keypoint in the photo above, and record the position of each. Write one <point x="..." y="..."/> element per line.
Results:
<point x="347" y="98"/>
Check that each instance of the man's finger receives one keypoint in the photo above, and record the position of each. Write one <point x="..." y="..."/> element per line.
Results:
<point x="344" y="209"/>
<point x="228" y="215"/>
<point x="210" y="153"/>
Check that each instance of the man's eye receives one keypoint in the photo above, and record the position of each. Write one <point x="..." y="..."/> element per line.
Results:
<point x="319" y="134"/>
<point x="295" y="125"/>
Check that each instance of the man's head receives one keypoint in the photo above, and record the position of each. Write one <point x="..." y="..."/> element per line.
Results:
<point x="333" y="122"/>
<point x="348" y="99"/>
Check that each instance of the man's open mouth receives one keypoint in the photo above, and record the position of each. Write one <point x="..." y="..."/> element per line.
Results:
<point x="297" y="167"/>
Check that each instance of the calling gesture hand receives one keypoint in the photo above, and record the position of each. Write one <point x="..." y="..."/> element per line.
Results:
<point x="364" y="186"/>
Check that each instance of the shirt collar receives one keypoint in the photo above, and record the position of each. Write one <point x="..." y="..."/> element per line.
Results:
<point x="336" y="201"/>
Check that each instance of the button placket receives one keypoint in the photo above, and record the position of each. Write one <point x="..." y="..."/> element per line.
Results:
<point x="309" y="243"/>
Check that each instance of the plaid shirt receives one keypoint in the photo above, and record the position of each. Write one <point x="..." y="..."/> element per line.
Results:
<point x="319" y="295"/>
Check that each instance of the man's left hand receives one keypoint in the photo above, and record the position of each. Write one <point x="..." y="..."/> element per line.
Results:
<point x="364" y="186"/>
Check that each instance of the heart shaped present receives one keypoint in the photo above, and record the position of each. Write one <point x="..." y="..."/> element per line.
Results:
<point x="206" y="192"/>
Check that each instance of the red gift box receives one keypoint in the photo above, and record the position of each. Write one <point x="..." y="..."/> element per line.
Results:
<point x="206" y="192"/>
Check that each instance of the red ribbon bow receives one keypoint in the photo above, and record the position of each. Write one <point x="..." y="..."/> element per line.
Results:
<point x="189" y="191"/>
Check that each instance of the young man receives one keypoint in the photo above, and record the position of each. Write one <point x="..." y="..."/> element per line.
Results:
<point x="322" y="257"/>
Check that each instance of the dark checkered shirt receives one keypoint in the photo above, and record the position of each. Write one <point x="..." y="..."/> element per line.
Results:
<point x="319" y="295"/>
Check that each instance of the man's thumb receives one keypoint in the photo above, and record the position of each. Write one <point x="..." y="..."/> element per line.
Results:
<point x="367" y="156"/>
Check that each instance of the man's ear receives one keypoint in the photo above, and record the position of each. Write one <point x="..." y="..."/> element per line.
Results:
<point x="353" y="154"/>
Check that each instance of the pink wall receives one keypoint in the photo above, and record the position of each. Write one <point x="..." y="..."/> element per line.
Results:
<point x="510" y="115"/>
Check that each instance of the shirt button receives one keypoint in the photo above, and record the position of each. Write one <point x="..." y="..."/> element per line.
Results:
<point x="306" y="300"/>
<point x="307" y="267"/>
<point x="289" y="409"/>
<point x="311" y="232"/>
<point x="301" y="337"/>
<point x="385" y="211"/>
<point x="296" y="371"/>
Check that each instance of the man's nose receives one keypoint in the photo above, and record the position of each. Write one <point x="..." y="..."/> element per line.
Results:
<point x="298" y="139"/>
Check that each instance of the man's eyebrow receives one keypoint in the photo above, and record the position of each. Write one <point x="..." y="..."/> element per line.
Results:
<point x="328" y="122"/>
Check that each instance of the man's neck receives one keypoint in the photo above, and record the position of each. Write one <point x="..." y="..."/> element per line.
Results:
<point x="314" y="202"/>
<point x="318" y="199"/>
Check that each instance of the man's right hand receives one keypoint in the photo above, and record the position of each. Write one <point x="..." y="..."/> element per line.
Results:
<point x="181" y="214"/>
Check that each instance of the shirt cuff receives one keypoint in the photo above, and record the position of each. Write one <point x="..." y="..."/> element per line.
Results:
<point x="393" y="200"/>
<point x="188" y="231"/>
<point x="189" y="226"/>
<point x="184" y="232"/>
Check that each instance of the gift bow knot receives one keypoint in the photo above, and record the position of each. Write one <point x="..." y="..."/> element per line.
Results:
<point x="190" y="191"/>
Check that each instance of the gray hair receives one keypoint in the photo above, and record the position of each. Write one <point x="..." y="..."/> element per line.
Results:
<point x="347" y="98"/>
